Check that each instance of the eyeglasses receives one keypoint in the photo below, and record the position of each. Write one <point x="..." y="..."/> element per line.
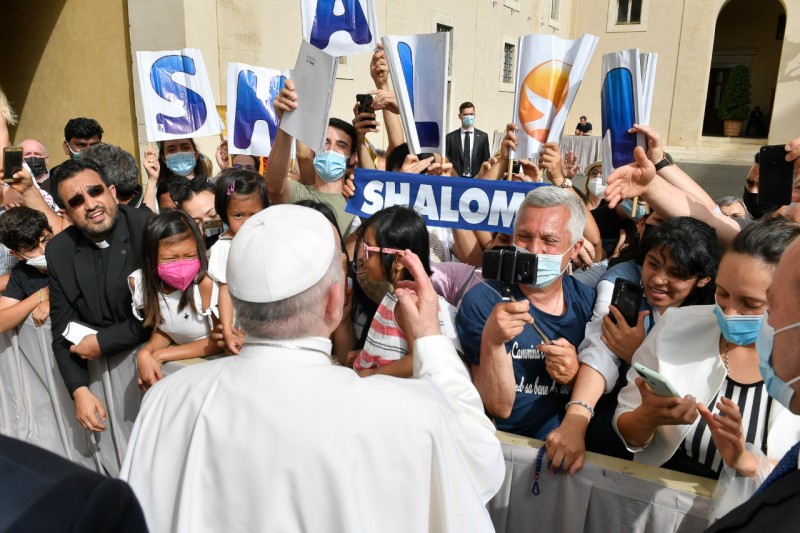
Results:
<point x="368" y="249"/>
<point x="245" y="167"/>
<point x="594" y="173"/>
<point x="78" y="200"/>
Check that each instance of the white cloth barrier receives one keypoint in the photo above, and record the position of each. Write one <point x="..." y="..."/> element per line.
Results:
<point x="588" y="148"/>
<point x="13" y="415"/>
<point x="607" y="495"/>
<point x="36" y="407"/>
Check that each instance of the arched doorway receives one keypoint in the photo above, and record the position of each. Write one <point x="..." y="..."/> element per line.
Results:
<point x="747" y="33"/>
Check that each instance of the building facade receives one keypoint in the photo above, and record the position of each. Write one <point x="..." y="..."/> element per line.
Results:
<point x="76" y="58"/>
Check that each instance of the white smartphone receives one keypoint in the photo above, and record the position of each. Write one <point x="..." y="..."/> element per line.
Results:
<point x="657" y="383"/>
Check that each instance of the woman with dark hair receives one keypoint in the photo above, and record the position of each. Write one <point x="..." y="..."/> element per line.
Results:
<point x="707" y="353"/>
<point x="176" y="158"/>
<point x="179" y="157"/>
<point x="175" y="296"/>
<point x="676" y="265"/>
<point x="387" y="234"/>
<point x="198" y="199"/>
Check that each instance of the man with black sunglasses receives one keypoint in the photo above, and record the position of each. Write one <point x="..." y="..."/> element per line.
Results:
<point x="89" y="267"/>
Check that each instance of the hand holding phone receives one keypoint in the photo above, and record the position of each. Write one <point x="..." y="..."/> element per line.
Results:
<point x="627" y="298"/>
<point x="657" y="383"/>
<point x="12" y="162"/>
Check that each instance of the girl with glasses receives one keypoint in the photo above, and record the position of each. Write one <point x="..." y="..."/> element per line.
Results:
<point x="387" y="234"/>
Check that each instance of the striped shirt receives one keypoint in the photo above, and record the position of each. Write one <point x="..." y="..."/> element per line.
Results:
<point x="753" y="403"/>
<point x="386" y="342"/>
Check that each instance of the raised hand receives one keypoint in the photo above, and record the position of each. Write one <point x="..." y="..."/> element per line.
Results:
<point x="631" y="180"/>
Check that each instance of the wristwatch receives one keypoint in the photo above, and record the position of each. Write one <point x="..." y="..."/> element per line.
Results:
<point x="665" y="162"/>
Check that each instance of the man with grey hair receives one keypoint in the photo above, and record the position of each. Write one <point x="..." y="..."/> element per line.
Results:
<point x="525" y="379"/>
<point x="279" y="439"/>
<point x="121" y="170"/>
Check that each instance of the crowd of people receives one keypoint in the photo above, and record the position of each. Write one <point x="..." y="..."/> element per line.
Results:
<point x="298" y="307"/>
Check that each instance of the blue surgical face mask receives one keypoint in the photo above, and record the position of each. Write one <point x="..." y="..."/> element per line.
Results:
<point x="468" y="121"/>
<point x="740" y="330"/>
<point x="330" y="165"/>
<point x="627" y="206"/>
<point x="548" y="267"/>
<point x="781" y="391"/>
<point x="181" y="163"/>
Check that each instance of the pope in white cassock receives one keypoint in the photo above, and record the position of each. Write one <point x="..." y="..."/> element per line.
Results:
<point x="279" y="439"/>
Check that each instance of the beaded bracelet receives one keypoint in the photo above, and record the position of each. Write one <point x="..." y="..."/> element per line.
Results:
<point x="582" y="404"/>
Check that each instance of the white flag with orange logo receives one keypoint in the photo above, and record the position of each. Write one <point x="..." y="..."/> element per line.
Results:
<point x="549" y="73"/>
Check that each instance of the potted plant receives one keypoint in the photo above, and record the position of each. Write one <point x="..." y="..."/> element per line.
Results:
<point x="734" y="105"/>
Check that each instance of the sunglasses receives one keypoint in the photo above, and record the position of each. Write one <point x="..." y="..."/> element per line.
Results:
<point x="78" y="200"/>
<point x="594" y="173"/>
<point x="367" y="249"/>
<point x="244" y="167"/>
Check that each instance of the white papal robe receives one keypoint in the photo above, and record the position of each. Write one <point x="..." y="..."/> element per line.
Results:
<point x="279" y="439"/>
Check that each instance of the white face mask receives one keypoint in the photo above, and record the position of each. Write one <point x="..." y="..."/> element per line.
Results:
<point x="596" y="187"/>
<point x="39" y="262"/>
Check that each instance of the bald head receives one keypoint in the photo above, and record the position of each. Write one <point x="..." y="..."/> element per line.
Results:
<point x="35" y="154"/>
<point x="32" y="147"/>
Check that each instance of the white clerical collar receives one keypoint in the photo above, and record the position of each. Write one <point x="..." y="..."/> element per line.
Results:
<point x="320" y="345"/>
<point x="102" y="244"/>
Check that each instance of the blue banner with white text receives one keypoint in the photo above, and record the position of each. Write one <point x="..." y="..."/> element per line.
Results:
<point x="446" y="202"/>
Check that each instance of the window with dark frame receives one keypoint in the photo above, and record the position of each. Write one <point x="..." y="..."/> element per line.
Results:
<point x="629" y="11"/>
<point x="444" y="28"/>
<point x="554" y="8"/>
<point x="508" y="63"/>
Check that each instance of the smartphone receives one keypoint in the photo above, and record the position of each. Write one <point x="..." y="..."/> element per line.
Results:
<point x="364" y="103"/>
<point x="12" y="162"/>
<point x="657" y="383"/>
<point x="627" y="298"/>
<point x="424" y="155"/>
<point x="509" y="266"/>
<point x="775" y="175"/>
<point x="516" y="168"/>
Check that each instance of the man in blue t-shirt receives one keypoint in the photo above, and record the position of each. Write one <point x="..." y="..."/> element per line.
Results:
<point x="524" y="383"/>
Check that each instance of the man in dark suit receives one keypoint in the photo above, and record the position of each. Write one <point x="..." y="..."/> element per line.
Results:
<point x="89" y="264"/>
<point x="776" y="504"/>
<point x="467" y="147"/>
<point x="40" y="491"/>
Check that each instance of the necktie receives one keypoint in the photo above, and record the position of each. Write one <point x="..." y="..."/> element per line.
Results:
<point x="787" y="465"/>
<point x="466" y="160"/>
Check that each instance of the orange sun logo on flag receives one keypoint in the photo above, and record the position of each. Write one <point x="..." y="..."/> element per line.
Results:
<point x="544" y="92"/>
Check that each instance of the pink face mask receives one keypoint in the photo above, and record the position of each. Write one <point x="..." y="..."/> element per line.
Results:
<point x="179" y="274"/>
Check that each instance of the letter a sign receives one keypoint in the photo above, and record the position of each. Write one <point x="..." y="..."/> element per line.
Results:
<point x="340" y="27"/>
<point x="176" y="95"/>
